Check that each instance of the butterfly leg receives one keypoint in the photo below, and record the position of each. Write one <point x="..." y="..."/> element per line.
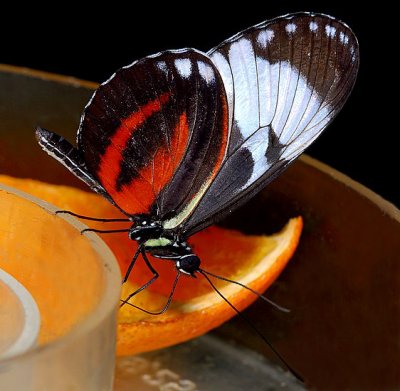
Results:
<point x="148" y="283"/>
<point x="134" y="259"/>
<point x="167" y="304"/>
<point x="169" y="300"/>
<point x="90" y="218"/>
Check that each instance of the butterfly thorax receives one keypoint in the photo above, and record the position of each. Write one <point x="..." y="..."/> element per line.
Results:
<point x="147" y="229"/>
<point x="164" y="244"/>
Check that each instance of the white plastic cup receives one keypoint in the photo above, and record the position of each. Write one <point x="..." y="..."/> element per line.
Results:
<point x="82" y="358"/>
<point x="19" y="317"/>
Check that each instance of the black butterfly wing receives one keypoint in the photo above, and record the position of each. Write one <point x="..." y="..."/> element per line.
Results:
<point x="155" y="134"/>
<point x="285" y="81"/>
<point x="167" y="136"/>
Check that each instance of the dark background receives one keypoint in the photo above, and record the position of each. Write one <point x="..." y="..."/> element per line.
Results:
<point x="66" y="40"/>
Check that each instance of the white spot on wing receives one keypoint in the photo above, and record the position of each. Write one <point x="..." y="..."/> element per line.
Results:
<point x="265" y="37"/>
<point x="313" y="26"/>
<point x="206" y="72"/>
<point x="162" y="66"/>
<point x="184" y="67"/>
<point x="330" y="31"/>
<point x="353" y="54"/>
<point x="290" y="28"/>
<point x="344" y="39"/>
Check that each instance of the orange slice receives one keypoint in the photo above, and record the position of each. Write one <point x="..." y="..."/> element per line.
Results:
<point x="255" y="261"/>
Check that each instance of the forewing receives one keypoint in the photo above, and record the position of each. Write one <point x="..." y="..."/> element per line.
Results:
<point x="69" y="156"/>
<point x="156" y="132"/>
<point x="285" y="80"/>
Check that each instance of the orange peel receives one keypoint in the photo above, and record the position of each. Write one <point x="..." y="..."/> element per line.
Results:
<point x="255" y="261"/>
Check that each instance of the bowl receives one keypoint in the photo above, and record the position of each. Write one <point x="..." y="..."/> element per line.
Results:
<point x="342" y="286"/>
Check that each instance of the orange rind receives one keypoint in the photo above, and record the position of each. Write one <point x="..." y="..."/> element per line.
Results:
<point x="255" y="261"/>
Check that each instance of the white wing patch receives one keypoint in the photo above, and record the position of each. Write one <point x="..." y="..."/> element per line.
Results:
<point x="353" y="54"/>
<point x="266" y="94"/>
<point x="184" y="67"/>
<point x="268" y="80"/>
<point x="265" y="37"/>
<point x="257" y="146"/>
<point x="206" y="72"/>
<point x="241" y="58"/>
<point x="344" y="39"/>
<point x="270" y="97"/>
<point x="313" y="26"/>
<point x="302" y="109"/>
<point x="290" y="28"/>
<point x="162" y="66"/>
<point x="287" y="89"/>
<point x="295" y="114"/>
<point x="225" y="71"/>
<point x="330" y="31"/>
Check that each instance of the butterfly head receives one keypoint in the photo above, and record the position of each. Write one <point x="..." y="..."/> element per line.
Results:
<point x="188" y="264"/>
<point x="175" y="249"/>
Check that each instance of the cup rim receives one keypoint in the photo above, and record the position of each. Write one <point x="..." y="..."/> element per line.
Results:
<point x="107" y="302"/>
<point x="28" y="336"/>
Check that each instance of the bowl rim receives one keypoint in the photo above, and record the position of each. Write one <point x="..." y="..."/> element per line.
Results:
<point x="386" y="206"/>
<point x="49" y="76"/>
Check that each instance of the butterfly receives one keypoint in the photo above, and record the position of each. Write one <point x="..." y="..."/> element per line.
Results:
<point x="179" y="139"/>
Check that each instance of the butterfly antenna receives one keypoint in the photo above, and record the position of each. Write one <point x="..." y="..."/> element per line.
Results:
<point x="251" y="325"/>
<point x="269" y="301"/>
<point x="168" y="303"/>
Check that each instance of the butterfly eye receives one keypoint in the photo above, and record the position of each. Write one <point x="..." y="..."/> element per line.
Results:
<point x="188" y="264"/>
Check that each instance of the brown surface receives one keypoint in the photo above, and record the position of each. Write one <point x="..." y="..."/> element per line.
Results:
<point x="343" y="286"/>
